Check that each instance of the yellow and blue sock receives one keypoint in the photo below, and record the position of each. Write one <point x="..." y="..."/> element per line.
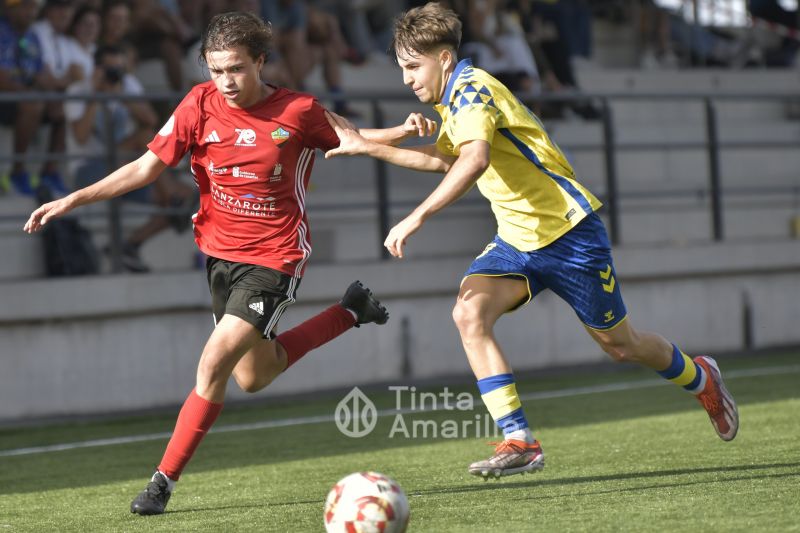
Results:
<point x="685" y="372"/>
<point x="499" y="393"/>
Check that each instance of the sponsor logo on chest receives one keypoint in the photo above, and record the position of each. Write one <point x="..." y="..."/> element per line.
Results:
<point x="239" y="172"/>
<point x="245" y="137"/>
<point x="217" y="171"/>
<point x="236" y="172"/>
<point x="248" y="205"/>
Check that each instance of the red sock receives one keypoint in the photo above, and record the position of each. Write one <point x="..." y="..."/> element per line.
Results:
<point x="315" y="332"/>
<point x="195" y="419"/>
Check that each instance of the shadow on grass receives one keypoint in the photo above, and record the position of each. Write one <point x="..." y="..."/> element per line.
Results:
<point x="558" y="482"/>
<point x="133" y="461"/>
<point x="255" y="505"/>
<point x="666" y="486"/>
<point x="538" y="483"/>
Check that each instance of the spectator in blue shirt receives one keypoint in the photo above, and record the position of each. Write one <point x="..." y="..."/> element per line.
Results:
<point x="22" y="69"/>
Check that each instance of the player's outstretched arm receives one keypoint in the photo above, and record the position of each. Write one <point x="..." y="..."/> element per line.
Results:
<point x="416" y="125"/>
<point x="463" y="174"/>
<point x="424" y="158"/>
<point x="134" y="175"/>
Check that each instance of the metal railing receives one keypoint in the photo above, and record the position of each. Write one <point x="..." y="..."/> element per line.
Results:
<point x="608" y="145"/>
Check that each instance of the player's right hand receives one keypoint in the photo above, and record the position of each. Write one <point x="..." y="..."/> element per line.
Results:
<point x="338" y="120"/>
<point x="399" y="234"/>
<point x="45" y="213"/>
<point x="418" y="124"/>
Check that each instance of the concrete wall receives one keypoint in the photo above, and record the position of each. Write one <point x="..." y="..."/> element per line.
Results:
<point x="116" y="343"/>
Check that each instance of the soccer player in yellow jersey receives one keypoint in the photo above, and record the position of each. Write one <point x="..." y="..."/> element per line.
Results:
<point x="548" y="233"/>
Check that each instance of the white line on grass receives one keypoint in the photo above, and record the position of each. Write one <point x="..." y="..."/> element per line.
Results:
<point x="286" y="422"/>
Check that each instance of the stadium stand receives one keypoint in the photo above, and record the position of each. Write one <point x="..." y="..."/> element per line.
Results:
<point x="743" y="286"/>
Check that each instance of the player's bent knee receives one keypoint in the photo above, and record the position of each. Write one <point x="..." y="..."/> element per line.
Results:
<point x="213" y="369"/>
<point x="253" y="385"/>
<point x="468" y="319"/>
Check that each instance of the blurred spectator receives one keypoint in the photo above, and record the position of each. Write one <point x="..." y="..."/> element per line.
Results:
<point x="130" y="125"/>
<point x="580" y="31"/>
<point x="154" y="31"/>
<point x="157" y="33"/>
<point x="115" y="26"/>
<point x="535" y="33"/>
<point x="547" y="25"/>
<point x="304" y="34"/>
<point x="186" y="15"/>
<point x="367" y="26"/>
<point x="496" y="42"/>
<point x="290" y="27"/>
<point x="84" y="32"/>
<point x="771" y="10"/>
<point x="654" y="36"/>
<point x="275" y="71"/>
<point x="191" y="13"/>
<point x="553" y="39"/>
<point x="58" y="53"/>
<point x="708" y="46"/>
<point x="774" y="11"/>
<point x="22" y="69"/>
<point x="61" y="59"/>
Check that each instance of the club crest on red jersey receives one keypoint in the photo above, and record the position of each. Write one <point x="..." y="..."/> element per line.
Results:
<point x="280" y="136"/>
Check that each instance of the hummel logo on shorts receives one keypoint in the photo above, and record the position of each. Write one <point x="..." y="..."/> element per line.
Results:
<point x="258" y="307"/>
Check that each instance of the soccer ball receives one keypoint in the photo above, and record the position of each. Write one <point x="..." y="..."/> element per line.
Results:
<point x="366" y="502"/>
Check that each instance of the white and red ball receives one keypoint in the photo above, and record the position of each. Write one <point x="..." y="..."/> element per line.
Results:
<point x="366" y="502"/>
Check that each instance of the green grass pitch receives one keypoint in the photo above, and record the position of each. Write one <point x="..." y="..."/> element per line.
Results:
<point x="643" y="458"/>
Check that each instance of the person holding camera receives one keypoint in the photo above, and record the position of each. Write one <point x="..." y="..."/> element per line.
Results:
<point x="130" y="125"/>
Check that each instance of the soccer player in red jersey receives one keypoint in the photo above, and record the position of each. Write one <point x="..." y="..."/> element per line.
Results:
<point x="252" y="147"/>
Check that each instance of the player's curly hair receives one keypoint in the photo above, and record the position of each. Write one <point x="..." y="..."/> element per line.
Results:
<point x="228" y="30"/>
<point x="421" y="29"/>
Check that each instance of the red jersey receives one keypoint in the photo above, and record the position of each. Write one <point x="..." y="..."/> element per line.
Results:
<point x="252" y="167"/>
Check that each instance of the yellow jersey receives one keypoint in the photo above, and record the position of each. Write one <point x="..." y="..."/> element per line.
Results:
<point x="530" y="184"/>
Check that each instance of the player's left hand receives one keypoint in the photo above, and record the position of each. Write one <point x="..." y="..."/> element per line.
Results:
<point x="400" y="233"/>
<point x="417" y="124"/>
